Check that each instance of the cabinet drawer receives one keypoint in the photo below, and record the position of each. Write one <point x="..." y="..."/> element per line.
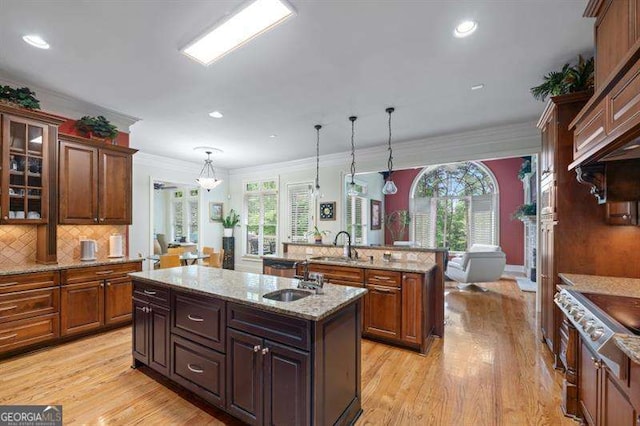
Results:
<point x="21" y="333"/>
<point x="343" y="273"/>
<point x="383" y="278"/>
<point x="289" y="331"/>
<point x="30" y="303"/>
<point x="120" y="270"/>
<point x="199" y="369"/>
<point x="590" y="131"/>
<point x="343" y="282"/>
<point x="200" y="320"/>
<point x="21" y="282"/>
<point x="151" y="293"/>
<point x="624" y="102"/>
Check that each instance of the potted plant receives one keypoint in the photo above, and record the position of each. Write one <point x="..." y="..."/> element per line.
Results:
<point x="569" y="79"/>
<point x="229" y="222"/>
<point x="317" y="234"/>
<point x="21" y="98"/>
<point x="525" y="210"/>
<point x="525" y="168"/>
<point x="97" y="127"/>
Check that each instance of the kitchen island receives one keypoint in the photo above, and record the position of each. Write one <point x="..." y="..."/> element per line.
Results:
<point x="264" y="361"/>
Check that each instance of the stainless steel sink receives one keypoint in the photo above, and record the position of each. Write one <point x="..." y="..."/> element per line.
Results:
<point x="339" y="259"/>
<point x="287" y="295"/>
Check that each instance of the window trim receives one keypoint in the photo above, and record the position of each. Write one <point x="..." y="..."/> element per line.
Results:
<point x="244" y="217"/>
<point x="430" y="168"/>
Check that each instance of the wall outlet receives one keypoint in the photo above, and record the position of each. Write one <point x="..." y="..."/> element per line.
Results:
<point x="309" y="250"/>
<point x="412" y="257"/>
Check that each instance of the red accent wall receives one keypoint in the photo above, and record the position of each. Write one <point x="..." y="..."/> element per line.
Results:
<point x="69" y="128"/>
<point x="511" y="196"/>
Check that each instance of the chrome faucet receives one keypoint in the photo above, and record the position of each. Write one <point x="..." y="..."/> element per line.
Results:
<point x="335" y="242"/>
<point x="305" y="271"/>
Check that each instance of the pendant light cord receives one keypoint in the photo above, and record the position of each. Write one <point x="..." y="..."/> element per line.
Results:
<point x="318" y="127"/>
<point x="208" y="166"/>
<point x="353" y="150"/>
<point x="390" y="161"/>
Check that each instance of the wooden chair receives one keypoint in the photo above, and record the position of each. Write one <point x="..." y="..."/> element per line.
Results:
<point x="175" y="250"/>
<point x="215" y="259"/>
<point x="169" y="261"/>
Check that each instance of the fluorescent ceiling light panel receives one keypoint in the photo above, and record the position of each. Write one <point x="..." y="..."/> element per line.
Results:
<point x="250" y="21"/>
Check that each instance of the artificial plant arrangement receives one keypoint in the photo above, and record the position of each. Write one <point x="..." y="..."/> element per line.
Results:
<point x="22" y="97"/>
<point x="570" y="79"/>
<point x="397" y="223"/>
<point x="317" y="234"/>
<point x="525" y="168"/>
<point x="524" y="210"/>
<point x="97" y="126"/>
<point x="229" y="222"/>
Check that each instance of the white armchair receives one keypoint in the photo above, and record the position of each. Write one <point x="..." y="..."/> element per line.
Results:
<point x="482" y="263"/>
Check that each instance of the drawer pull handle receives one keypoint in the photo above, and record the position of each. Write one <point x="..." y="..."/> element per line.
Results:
<point x="265" y="351"/>
<point x="383" y="289"/>
<point x="257" y="348"/>
<point x="8" y="308"/>
<point x="378" y="277"/>
<point x="150" y="292"/>
<point x="195" y="369"/>
<point x="195" y="318"/>
<point x="104" y="272"/>
<point x="9" y="284"/>
<point x="11" y="336"/>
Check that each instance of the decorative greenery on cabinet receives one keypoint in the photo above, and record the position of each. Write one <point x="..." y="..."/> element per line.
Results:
<point x="97" y="126"/>
<point x="569" y="79"/>
<point x="22" y="97"/>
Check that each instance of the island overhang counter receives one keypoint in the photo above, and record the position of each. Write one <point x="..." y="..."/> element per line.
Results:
<point x="263" y="361"/>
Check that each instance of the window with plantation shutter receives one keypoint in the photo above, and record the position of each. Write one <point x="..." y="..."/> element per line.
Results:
<point x="300" y="206"/>
<point x="260" y="218"/>
<point x="177" y="222"/>
<point x="357" y="219"/>
<point x="193" y="220"/>
<point x="483" y="219"/>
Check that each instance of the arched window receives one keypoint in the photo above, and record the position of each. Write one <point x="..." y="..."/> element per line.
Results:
<point x="455" y="206"/>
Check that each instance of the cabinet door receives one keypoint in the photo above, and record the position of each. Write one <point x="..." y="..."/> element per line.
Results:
<point x="140" y="336"/>
<point x="383" y="309"/>
<point x="614" y="36"/>
<point x="589" y="382"/>
<point x="287" y="385"/>
<point x="82" y="307"/>
<point x="548" y="284"/>
<point x="245" y="377"/>
<point x="412" y="303"/>
<point x="616" y="408"/>
<point x="117" y="301"/>
<point x="158" y="318"/>
<point x="115" y="188"/>
<point x="78" y="177"/>
<point x="549" y="136"/>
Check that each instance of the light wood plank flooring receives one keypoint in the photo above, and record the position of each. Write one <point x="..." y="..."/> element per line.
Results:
<point x="490" y="369"/>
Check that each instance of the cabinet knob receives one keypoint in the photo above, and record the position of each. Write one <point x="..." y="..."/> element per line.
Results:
<point x="256" y="348"/>
<point x="102" y="219"/>
<point x="95" y="219"/>
<point x="108" y="284"/>
<point x="6" y="217"/>
<point x="265" y="351"/>
<point x="101" y="284"/>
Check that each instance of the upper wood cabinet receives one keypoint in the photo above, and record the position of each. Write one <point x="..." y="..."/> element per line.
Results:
<point x="95" y="182"/>
<point x="614" y="34"/>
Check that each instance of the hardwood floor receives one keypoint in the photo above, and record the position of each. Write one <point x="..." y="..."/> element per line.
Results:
<point x="490" y="369"/>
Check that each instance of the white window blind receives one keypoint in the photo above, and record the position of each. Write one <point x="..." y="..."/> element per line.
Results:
<point x="424" y="221"/>
<point x="261" y="217"/>
<point x="193" y="220"/>
<point x="300" y="207"/>
<point x="482" y="221"/>
<point x="357" y="215"/>
<point x="177" y="222"/>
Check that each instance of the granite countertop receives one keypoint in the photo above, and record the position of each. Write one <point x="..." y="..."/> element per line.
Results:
<point x="416" y="267"/>
<point x="247" y="289"/>
<point x="628" y="287"/>
<point x="28" y="268"/>
<point x="386" y="248"/>
<point x="629" y="344"/>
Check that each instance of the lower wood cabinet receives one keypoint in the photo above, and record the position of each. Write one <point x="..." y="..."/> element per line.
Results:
<point x="117" y="301"/>
<point x="383" y="311"/>
<point x="413" y="308"/>
<point x="27" y="332"/>
<point x="589" y="384"/>
<point x="151" y="335"/>
<point x="82" y="307"/>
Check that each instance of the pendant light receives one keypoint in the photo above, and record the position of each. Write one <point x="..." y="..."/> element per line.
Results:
<point x="352" y="192"/>
<point x="315" y="191"/>
<point x="389" y="187"/>
<point x="208" y="179"/>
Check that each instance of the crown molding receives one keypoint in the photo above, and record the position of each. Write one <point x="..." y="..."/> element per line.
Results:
<point x="511" y="140"/>
<point x="166" y="163"/>
<point x="68" y="106"/>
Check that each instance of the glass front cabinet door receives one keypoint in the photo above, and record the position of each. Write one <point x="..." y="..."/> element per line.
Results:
<point x="24" y="183"/>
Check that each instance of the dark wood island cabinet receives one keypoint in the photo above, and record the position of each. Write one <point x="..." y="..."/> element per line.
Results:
<point x="262" y="361"/>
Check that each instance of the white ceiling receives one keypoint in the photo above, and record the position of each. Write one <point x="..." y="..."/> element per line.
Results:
<point x="334" y="59"/>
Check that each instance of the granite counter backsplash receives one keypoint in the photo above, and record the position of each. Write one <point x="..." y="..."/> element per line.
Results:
<point x="248" y="289"/>
<point x="31" y="267"/>
<point x="629" y="287"/>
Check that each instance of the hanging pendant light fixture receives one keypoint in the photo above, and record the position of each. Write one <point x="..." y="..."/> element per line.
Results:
<point x="389" y="187"/>
<point x="352" y="191"/>
<point x="208" y="179"/>
<point x="315" y="191"/>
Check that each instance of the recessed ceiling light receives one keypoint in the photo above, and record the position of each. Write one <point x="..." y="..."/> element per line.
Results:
<point x="216" y="114"/>
<point x="477" y="86"/>
<point x="273" y="136"/>
<point x="465" y="28"/>
<point x="249" y="21"/>
<point x="36" y="41"/>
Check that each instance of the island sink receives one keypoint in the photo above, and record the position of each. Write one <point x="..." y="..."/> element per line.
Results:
<point x="287" y="295"/>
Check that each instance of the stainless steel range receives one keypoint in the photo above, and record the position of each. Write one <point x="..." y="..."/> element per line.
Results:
<point x="595" y="326"/>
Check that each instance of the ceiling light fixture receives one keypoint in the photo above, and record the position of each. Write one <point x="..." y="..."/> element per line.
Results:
<point x="208" y="179"/>
<point x="273" y="136"/>
<point x="315" y="191"/>
<point x="251" y="20"/>
<point x="389" y="187"/>
<point x="216" y="114"/>
<point x="353" y="191"/>
<point x="477" y="86"/>
<point x="36" y="41"/>
<point x="465" y="29"/>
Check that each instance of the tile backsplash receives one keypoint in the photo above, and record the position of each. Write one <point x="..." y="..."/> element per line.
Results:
<point x="17" y="244"/>
<point x="398" y="255"/>
<point x="69" y="239"/>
